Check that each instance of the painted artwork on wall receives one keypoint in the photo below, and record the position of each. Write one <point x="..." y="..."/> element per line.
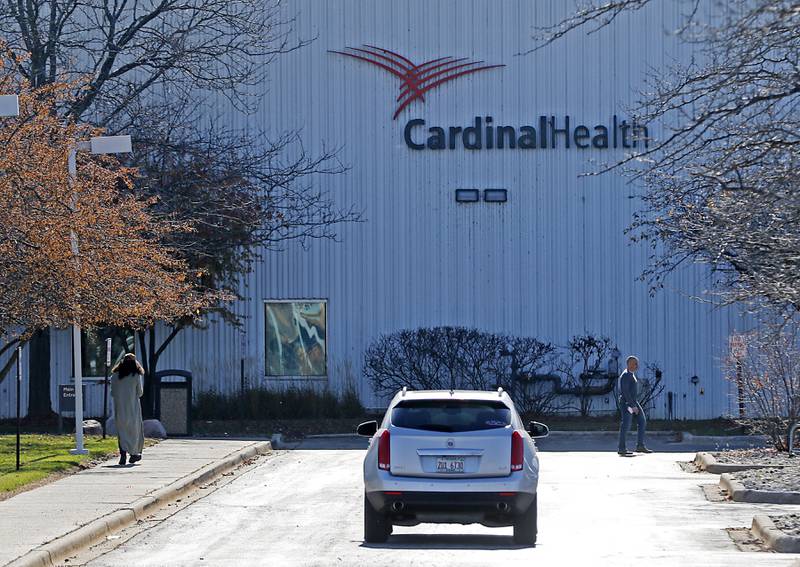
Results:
<point x="295" y="338"/>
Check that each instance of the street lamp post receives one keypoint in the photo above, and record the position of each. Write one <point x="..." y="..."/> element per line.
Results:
<point x="97" y="145"/>
<point x="9" y="106"/>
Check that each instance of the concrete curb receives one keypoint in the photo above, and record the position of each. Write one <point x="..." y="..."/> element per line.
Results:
<point x="738" y="493"/>
<point x="707" y="462"/>
<point x="51" y="553"/>
<point x="775" y="539"/>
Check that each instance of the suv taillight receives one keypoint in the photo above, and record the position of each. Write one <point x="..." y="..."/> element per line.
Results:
<point x="517" y="451"/>
<point x="384" y="454"/>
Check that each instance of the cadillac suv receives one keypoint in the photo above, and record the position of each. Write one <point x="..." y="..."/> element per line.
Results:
<point x="451" y="457"/>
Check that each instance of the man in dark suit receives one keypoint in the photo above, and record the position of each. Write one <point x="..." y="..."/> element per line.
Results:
<point x="629" y="406"/>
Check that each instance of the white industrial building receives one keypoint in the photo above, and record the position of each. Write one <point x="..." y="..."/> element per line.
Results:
<point x="543" y="253"/>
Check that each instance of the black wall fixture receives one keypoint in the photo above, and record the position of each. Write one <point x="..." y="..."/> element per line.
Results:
<point x="468" y="195"/>
<point x="495" y="195"/>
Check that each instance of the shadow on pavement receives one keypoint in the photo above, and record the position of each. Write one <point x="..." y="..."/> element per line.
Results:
<point x="446" y="541"/>
<point x="348" y="443"/>
<point x="660" y="443"/>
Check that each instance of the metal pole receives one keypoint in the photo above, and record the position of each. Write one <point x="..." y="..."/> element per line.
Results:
<point x="19" y="388"/>
<point x="740" y="387"/>
<point x="241" y="394"/>
<point x="77" y="361"/>
<point x="9" y="106"/>
<point x="105" y="386"/>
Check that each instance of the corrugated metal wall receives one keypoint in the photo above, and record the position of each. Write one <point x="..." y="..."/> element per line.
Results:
<point x="551" y="263"/>
<point x="8" y="388"/>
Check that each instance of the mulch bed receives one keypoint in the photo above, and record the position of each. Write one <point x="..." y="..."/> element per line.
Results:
<point x="756" y="457"/>
<point x="789" y="524"/>
<point x="771" y="480"/>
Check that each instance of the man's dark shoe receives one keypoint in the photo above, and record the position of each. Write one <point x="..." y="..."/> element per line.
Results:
<point x="624" y="453"/>
<point x="135" y="458"/>
<point x="643" y="449"/>
<point x="122" y="457"/>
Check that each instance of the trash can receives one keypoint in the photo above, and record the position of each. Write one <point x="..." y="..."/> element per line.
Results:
<point x="174" y="401"/>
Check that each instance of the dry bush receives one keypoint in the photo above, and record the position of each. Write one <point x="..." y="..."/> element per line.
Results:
<point x="769" y="376"/>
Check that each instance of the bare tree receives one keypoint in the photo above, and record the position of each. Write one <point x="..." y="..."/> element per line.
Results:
<point x="124" y="50"/>
<point x="768" y="373"/>
<point x="75" y="250"/>
<point x="721" y="179"/>
<point x="157" y="68"/>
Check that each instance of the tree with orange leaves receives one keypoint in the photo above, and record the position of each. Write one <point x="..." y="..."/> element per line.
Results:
<point x="121" y="275"/>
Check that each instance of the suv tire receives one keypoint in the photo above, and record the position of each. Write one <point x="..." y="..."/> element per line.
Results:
<point x="376" y="525"/>
<point x="525" y="526"/>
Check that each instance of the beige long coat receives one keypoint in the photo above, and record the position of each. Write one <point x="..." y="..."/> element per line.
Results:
<point x="126" y="392"/>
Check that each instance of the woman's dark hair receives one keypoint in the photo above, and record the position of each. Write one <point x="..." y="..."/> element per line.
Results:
<point x="128" y="365"/>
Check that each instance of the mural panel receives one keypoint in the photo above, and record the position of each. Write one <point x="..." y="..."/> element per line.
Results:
<point x="296" y="338"/>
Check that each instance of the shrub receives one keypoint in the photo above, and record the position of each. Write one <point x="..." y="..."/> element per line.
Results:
<point x="291" y="403"/>
<point x="651" y="389"/>
<point x="585" y="354"/>
<point x="441" y="358"/>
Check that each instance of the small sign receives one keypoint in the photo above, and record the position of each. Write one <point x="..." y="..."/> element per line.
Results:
<point x="66" y="397"/>
<point x="738" y="346"/>
<point x="108" y="352"/>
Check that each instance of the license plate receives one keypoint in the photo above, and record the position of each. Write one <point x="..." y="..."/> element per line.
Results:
<point x="450" y="464"/>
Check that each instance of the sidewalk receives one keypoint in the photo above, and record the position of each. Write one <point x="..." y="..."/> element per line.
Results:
<point x="34" y="518"/>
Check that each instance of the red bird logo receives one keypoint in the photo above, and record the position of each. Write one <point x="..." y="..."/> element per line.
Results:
<point x="416" y="80"/>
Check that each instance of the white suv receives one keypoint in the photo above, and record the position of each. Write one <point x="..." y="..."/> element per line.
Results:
<point x="451" y="457"/>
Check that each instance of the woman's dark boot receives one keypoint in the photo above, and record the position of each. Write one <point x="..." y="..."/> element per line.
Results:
<point x="123" y="457"/>
<point x="135" y="458"/>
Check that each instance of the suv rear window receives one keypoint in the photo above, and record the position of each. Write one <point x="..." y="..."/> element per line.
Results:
<point x="451" y="416"/>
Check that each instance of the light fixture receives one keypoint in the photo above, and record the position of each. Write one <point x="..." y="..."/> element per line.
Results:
<point x="9" y="105"/>
<point x="495" y="195"/>
<point x="468" y="195"/>
<point x="111" y="145"/>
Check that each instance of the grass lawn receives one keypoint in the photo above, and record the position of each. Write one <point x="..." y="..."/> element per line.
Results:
<point x="44" y="455"/>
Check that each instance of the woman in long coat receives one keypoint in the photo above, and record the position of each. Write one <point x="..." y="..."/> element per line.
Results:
<point x="127" y="386"/>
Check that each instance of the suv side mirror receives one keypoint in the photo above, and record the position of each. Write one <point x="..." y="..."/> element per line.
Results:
<point x="367" y="429"/>
<point x="538" y="430"/>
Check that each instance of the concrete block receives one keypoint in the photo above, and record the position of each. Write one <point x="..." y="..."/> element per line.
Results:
<point x="774" y="538"/>
<point x="737" y="492"/>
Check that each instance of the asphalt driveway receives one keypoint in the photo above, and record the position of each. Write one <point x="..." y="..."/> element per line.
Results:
<point x="304" y="507"/>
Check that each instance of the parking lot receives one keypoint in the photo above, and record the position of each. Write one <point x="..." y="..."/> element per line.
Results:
<point x="304" y="507"/>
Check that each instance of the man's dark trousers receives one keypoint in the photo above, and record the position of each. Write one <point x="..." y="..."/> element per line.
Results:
<point x="625" y="426"/>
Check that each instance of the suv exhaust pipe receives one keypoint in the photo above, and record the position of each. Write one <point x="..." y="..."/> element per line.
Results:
<point x="502" y="507"/>
<point x="398" y="506"/>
